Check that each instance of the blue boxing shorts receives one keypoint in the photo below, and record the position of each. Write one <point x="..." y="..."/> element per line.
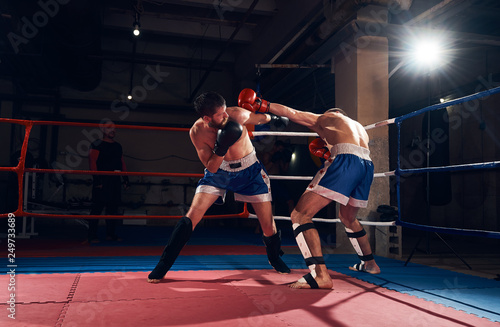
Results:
<point x="346" y="177"/>
<point x="246" y="177"/>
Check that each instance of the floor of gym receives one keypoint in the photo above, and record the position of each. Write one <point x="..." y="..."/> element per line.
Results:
<point x="222" y="278"/>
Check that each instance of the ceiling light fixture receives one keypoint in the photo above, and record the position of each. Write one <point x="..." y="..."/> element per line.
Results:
<point x="138" y="10"/>
<point x="136" y="31"/>
<point x="137" y="24"/>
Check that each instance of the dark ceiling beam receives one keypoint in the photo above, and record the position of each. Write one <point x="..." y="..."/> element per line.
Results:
<point x="294" y="38"/>
<point x="483" y="12"/>
<point x="187" y="17"/>
<point x="403" y="32"/>
<point x="321" y="43"/>
<point x="166" y="61"/>
<point x="177" y="47"/>
<point x="86" y="103"/>
<point x="180" y="28"/>
<point x="446" y="9"/>
<point x="229" y="41"/>
<point x="275" y="36"/>
<point x="319" y="57"/>
<point x="267" y="7"/>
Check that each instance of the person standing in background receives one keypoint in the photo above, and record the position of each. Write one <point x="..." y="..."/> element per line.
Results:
<point x="106" y="155"/>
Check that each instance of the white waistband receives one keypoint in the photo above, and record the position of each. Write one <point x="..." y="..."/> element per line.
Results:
<point x="347" y="148"/>
<point x="240" y="164"/>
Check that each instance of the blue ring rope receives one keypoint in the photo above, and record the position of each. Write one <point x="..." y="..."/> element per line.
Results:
<point x="449" y="103"/>
<point x="449" y="230"/>
<point x="484" y="165"/>
<point x="399" y="171"/>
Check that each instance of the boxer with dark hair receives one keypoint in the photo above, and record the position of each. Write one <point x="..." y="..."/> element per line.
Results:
<point x="224" y="147"/>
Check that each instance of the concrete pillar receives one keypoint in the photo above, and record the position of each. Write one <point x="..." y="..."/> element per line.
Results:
<point x="362" y="90"/>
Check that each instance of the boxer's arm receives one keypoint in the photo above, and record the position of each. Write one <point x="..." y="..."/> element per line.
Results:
<point x="245" y="117"/>
<point x="304" y="118"/>
<point x="210" y="160"/>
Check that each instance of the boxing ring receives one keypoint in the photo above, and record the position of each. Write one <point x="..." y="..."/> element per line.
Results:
<point x="20" y="169"/>
<point x="107" y="285"/>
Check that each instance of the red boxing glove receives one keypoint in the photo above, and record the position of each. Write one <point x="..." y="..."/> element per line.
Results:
<point x="248" y="100"/>
<point x="319" y="149"/>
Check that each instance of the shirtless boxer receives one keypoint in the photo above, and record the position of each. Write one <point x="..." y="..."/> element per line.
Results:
<point x="345" y="177"/>
<point x="224" y="147"/>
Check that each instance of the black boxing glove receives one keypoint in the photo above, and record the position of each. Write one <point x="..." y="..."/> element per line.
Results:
<point x="279" y="121"/>
<point x="226" y="137"/>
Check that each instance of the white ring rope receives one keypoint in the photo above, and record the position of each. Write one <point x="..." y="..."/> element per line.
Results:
<point x="293" y="178"/>
<point x="264" y="133"/>
<point x="381" y="123"/>
<point x="336" y="220"/>
<point x="313" y="134"/>
<point x="308" y="178"/>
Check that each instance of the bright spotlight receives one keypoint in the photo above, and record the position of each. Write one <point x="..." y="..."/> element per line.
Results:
<point x="129" y="96"/>
<point x="442" y="100"/>
<point x="136" y="30"/>
<point x="428" y="51"/>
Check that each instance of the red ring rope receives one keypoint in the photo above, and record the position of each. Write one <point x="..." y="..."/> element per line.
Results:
<point x="20" y="169"/>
